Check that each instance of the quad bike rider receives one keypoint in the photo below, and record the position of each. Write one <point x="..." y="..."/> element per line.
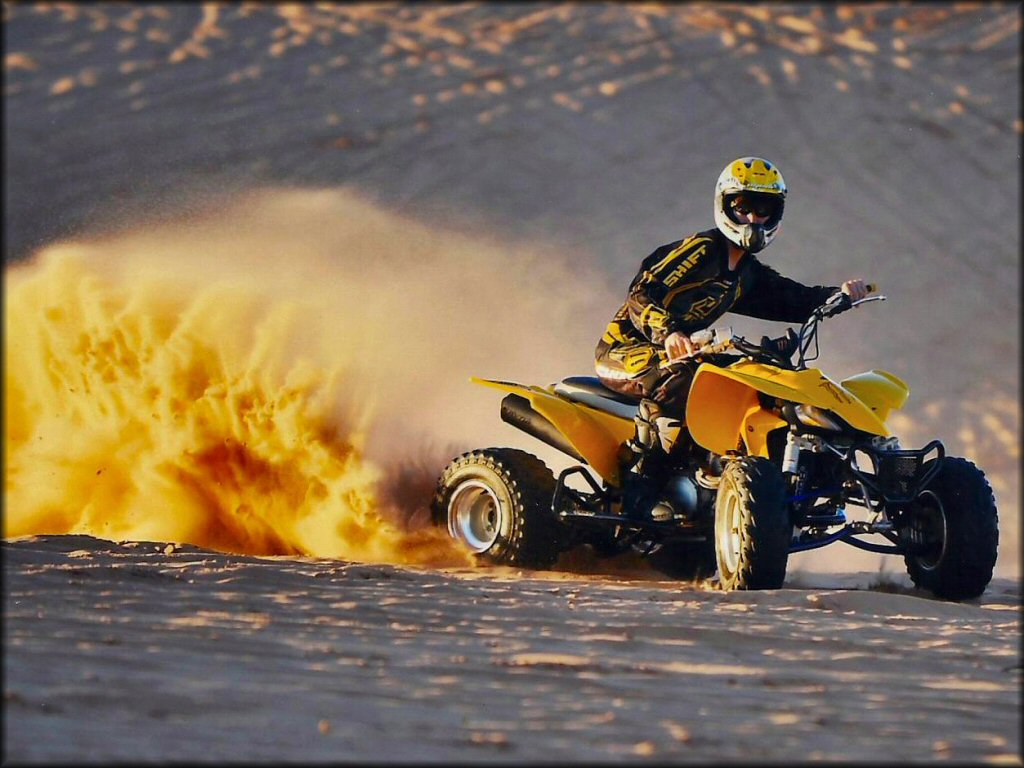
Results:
<point x="681" y="289"/>
<point x="715" y="462"/>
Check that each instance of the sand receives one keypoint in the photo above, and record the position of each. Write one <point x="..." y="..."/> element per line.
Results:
<point x="156" y="652"/>
<point x="272" y="242"/>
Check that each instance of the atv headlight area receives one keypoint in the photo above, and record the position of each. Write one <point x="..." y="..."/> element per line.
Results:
<point x="818" y="418"/>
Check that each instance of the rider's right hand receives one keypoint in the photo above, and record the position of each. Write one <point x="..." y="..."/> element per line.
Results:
<point x="678" y="345"/>
<point x="856" y="289"/>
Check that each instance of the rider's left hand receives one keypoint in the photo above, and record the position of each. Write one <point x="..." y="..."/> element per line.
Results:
<point x="855" y="289"/>
<point x="678" y="345"/>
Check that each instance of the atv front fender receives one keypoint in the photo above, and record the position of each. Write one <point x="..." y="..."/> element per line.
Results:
<point x="721" y="411"/>
<point x="723" y="406"/>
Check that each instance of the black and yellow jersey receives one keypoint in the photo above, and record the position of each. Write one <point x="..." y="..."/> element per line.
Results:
<point x="687" y="285"/>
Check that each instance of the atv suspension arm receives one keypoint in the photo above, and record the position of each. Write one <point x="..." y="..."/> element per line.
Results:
<point x="596" y="506"/>
<point x="586" y="501"/>
<point x="848" y="535"/>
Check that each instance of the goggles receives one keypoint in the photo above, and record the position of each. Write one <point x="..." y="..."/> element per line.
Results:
<point x="747" y="203"/>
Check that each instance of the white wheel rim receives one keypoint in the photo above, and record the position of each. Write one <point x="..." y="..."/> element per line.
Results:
<point x="728" y="521"/>
<point x="474" y="515"/>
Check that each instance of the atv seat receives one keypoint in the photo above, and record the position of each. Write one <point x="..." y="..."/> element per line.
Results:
<point x="590" y="391"/>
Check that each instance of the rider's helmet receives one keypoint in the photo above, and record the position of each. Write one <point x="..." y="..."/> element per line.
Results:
<point x="749" y="184"/>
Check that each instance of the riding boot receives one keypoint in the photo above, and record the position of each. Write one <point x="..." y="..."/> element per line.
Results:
<point x="646" y="466"/>
<point x="661" y="445"/>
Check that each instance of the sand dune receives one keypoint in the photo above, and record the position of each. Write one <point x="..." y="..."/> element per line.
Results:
<point x="583" y="136"/>
<point x="253" y="252"/>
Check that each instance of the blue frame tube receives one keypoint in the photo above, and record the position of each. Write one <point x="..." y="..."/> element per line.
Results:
<point x="847" y="536"/>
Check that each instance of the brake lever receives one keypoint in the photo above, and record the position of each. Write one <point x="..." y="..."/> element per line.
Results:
<point x="866" y="299"/>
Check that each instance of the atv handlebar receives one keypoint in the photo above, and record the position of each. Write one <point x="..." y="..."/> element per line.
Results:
<point x="840" y="302"/>
<point x="775" y="351"/>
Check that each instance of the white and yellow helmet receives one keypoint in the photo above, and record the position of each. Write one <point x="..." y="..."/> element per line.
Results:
<point x="755" y="181"/>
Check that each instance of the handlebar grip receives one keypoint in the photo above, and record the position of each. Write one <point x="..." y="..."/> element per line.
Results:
<point x="872" y="287"/>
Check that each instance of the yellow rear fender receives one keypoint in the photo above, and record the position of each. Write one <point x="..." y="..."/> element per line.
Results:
<point x="597" y="436"/>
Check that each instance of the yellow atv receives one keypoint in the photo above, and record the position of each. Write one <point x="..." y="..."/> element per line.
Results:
<point x="780" y="455"/>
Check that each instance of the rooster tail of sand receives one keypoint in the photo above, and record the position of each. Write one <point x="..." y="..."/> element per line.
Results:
<point x="145" y="400"/>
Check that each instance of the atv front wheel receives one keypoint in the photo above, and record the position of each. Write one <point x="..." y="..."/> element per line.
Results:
<point x="953" y="523"/>
<point x="752" y="528"/>
<point x="497" y="502"/>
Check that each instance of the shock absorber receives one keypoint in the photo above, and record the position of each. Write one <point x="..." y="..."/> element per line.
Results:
<point x="791" y="456"/>
<point x="791" y="467"/>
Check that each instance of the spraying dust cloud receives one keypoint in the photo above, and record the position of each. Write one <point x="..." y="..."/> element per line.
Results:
<point x="276" y="377"/>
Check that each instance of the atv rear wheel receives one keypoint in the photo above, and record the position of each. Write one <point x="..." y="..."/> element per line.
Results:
<point x="497" y="502"/>
<point x="752" y="528"/>
<point x="954" y="519"/>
